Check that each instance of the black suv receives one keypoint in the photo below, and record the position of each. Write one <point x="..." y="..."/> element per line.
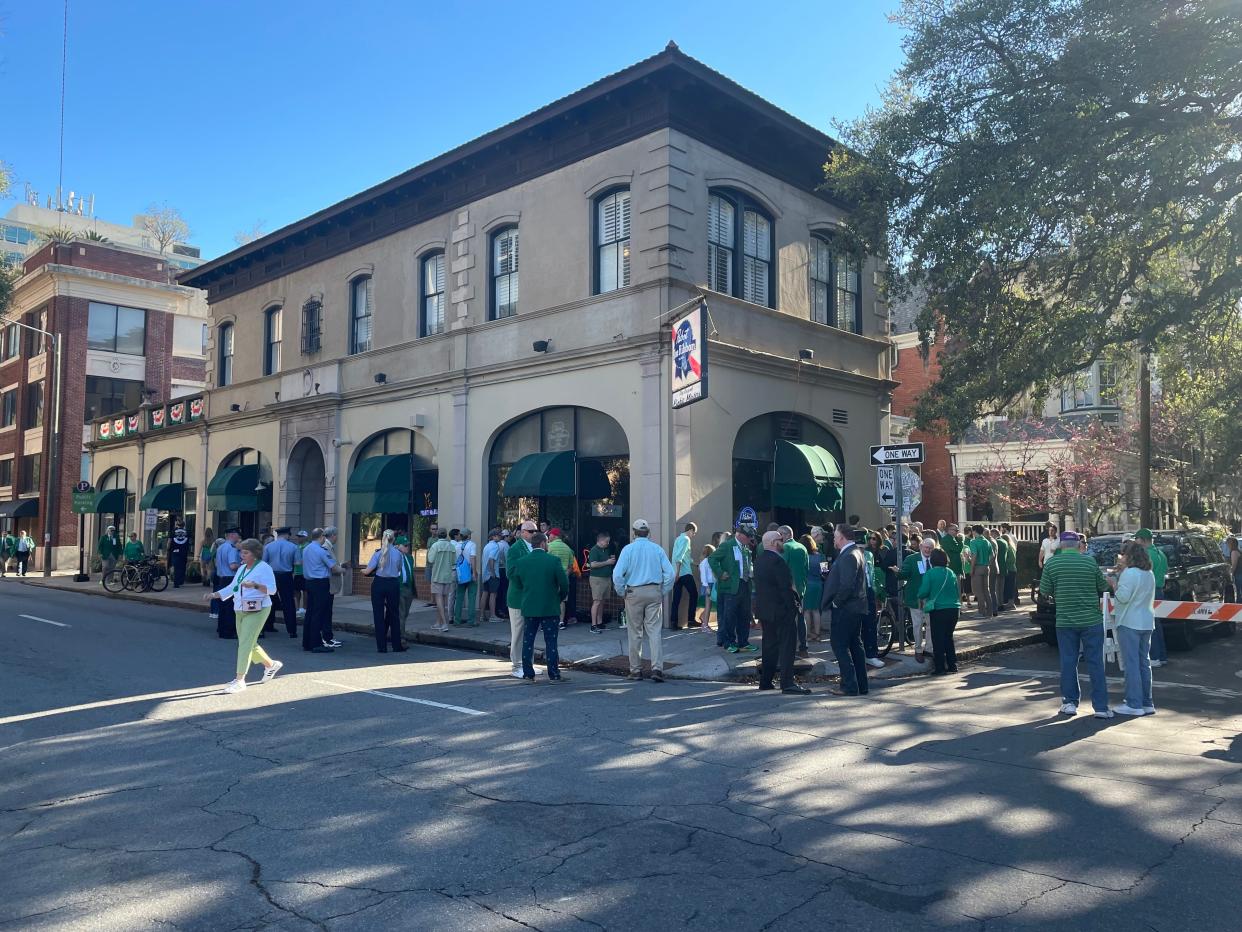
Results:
<point x="1197" y="573"/>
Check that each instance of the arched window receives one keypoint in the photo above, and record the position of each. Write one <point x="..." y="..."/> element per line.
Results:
<point x="504" y="299"/>
<point x="751" y="241"/>
<point x="224" y="371"/>
<point x="271" y="340"/>
<point x="360" y="314"/>
<point x="612" y="240"/>
<point x="836" y="286"/>
<point x="432" y="278"/>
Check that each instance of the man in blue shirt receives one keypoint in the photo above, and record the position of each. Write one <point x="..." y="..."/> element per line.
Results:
<point x="280" y="555"/>
<point x="226" y="562"/>
<point x="643" y="576"/>
<point x="318" y="566"/>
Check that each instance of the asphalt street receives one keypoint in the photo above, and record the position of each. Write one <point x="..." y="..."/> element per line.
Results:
<point x="430" y="790"/>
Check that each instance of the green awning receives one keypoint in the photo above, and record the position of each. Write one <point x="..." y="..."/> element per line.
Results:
<point x="238" y="488"/>
<point x="169" y="497"/>
<point x="110" y="502"/>
<point x="20" y="508"/>
<point x="806" y="477"/>
<point x="380" y="484"/>
<point x="540" y="474"/>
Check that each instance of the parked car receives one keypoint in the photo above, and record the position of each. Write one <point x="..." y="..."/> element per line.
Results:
<point x="1197" y="573"/>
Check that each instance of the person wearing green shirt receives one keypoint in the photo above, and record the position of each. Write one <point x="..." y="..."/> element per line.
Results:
<point x="134" y="551"/>
<point x="799" y="563"/>
<point x="1004" y="556"/>
<point x="733" y="567"/>
<point x="938" y="593"/>
<point x="952" y="543"/>
<point x="408" y="590"/>
<point x="980" y="553"/>
<point x="542" y="586"/>
<point x="913" y="569"/>
<point x="109" y="549"/>
<point x="1009" y="567"/>
<point x="442" y="558"/>
<point x="600" y="561"/>
<point x="563" y="552"/>
<point x="1159" y="569"/>
<point x="1075" y="582"/>
<point x="683" y="567"/>
<point x="519" y="549"/>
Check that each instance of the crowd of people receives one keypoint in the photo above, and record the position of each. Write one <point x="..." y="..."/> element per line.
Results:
<point x="822" y="585"/>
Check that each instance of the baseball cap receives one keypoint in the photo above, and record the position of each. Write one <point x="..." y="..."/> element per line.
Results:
<point x="1070" y="537"/>
<point x="640" y="524"/>
<point x="1143" y="533"/>
<point x="748" y="529"/>
<point x="303" y="533"/>
<point x="402" y="541"/>
<point x="555" y="532"/>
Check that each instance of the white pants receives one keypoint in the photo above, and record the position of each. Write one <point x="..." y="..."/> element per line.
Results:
<point x="517" y="630"/>
<point x="644" y="614"/>
<point x="921" y="622"/>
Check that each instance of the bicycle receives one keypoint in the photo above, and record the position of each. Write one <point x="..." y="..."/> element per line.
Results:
<point x="891" y="633"/>
<point x="144" y="576"/>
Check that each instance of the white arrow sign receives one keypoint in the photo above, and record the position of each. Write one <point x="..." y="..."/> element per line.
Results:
<point x="896" y="453"/>
<point x="886" y="486"/>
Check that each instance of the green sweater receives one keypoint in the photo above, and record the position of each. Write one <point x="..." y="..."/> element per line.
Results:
<point x="541" y="584"/>
<point x="953" y="545"/>
<point x="134" y="551"/>
<point x="1075" y="582"/>
<point x="517" y="550"/>
<point x="799" y="562"/>
<point x="939" y="589"/>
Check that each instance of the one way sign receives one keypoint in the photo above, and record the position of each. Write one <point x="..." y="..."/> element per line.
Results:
<point x="896" y="453"/>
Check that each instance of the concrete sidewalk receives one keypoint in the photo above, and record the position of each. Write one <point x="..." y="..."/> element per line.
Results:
<point x="688" y="654"/>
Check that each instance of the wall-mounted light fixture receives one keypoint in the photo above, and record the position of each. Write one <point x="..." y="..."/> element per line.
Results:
<point x="541" y="346"/>
<point x="235" y="407"/>
<point x="381" y="378"/>
<point x="806" y="355"/>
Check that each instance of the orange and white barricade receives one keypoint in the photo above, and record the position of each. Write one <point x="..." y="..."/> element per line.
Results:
<point x="1218" y="612"/>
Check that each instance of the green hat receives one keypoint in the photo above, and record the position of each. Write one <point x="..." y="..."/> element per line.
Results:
<point x="1143" y="532"/>
<point x="402" y="541"/>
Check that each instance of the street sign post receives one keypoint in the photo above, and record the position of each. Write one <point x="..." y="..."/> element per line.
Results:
<point x="885" y="453"/>
<point x="83" y="504"/>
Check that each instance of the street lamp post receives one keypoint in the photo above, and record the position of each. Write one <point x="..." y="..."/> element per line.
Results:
<point x="53" y="456"/>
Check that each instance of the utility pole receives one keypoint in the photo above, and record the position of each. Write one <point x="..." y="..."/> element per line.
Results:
<point x="1144" y="440"/>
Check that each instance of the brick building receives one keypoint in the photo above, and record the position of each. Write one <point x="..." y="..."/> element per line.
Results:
<point x="130" y="335"/>
<point x="916" y="373"/>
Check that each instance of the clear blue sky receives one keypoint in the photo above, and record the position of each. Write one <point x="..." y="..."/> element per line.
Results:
<point x="239" y="111"/>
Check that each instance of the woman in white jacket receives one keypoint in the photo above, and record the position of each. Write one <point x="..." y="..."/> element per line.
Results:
<point x="1136" y="588"/>
<point x="251" y="593"/>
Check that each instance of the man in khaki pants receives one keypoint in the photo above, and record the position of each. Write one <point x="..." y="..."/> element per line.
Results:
<point x="643" y="576"/>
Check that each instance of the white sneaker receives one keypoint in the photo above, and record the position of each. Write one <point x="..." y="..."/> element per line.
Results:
<point x="334" y="643"/>
<point x="270" y="673"/>
<point x="875" y="662"/>
<point x="301" y="613"/>
<point x="235" y="687"/>
<point x="1069" y="708"/>
<point x="1124" y="709"/>
<point x="1149" y="710"/>
<point x="1156" y="663"/>
<point x="1107" y="713"/>
<point x="213" y="616"/>
<point x="517" y="673"/>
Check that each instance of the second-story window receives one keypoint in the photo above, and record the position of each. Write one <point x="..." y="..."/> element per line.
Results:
<point x="847" y="278"/>
<point x="312" y="326"/>
<point x="360" y="314"/>
<point x="271" y="340"/>
<point x="432" y="295"/>
<point x="34" y="406"/>
<point x="116" y="329"/>
<point x="224" y="374"/>
<point x="720" y="244"/>
<point x="612" y="241"/>
<point x="756" y="257"/>
<point x="8" y="408"/>
<point x="505" y="273"/>
<point x="821" y="280"/>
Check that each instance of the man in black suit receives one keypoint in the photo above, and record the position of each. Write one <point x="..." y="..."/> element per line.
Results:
<point x="845" y="595"/>
<point x="776" y="604"/>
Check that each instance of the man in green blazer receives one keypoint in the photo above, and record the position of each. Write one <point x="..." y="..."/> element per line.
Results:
<point x="408" y="590"/>
<point x="913" y="569"/>
<point x="732" y="566"/>
<point x="8" y="548"/>
<point x="517" y="629"/>
<point x="109" y="549"/>
<point x="541" y="584"/>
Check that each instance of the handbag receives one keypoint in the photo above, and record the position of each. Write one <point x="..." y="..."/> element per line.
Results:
<point x="465" y="572"/>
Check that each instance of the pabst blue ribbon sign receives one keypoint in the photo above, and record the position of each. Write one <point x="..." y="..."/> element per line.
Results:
<point x="689" y="381"/>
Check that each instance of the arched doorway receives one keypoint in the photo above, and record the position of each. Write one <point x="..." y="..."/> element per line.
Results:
<point x="394" y="483"/>
<point x="114" y="500"/>
<point x="567" y="466"/>
<point x="240" y="493"/>
<point x="305" y="483"/>
<point x="788" y="468"/>
<point x="173" y="499"/>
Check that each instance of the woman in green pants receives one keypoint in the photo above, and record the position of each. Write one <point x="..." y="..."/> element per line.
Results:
<point x="251" y="593"/>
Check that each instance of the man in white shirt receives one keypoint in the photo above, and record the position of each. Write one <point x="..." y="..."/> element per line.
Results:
<point x="1048" y="546"/>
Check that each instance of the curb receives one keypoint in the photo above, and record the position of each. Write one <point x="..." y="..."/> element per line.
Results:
<point x="436" y="639"/>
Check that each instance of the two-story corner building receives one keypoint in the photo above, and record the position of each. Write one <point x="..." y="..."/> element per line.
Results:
<point x="399" y="356"/>
<point x="130" y="335"/>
